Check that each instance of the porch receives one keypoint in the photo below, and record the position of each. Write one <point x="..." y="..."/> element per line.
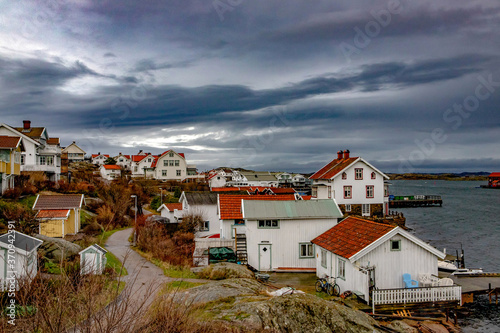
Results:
<point x="449" y="294"/>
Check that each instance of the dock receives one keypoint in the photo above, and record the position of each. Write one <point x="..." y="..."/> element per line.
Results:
<point x="478" y="284"/>
<point x="403" y="201"/>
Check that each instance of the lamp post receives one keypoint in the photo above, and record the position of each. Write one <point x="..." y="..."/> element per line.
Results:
<point x="135" y="219"/>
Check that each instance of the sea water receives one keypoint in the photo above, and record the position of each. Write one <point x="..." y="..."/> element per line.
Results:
<point x="470" y="220"/>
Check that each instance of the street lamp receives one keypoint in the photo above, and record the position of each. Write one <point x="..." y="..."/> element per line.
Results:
<point x="135" y="219"/>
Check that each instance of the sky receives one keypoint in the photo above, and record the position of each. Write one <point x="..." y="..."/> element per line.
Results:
<point x="410" y="86"/>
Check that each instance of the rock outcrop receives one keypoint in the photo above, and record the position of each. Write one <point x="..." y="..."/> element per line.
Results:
<point x="57" y="249"/>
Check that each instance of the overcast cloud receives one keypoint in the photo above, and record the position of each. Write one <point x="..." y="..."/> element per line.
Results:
<point x="267" y="85"/>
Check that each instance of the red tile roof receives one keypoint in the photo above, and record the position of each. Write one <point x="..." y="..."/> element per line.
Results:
<point x="9" y="141"/>
<point x="95" y="155"/>
<point x="32" y="132"/>
<point x="333" y="168"/>
<point x="226" y="189"/>
<point x="175" y="205"/>
<point x="351" y="236"/>
<point x="53" y="141"/>
<point x="138" y="158"/>
<point x="170" y="150"/>
<point x="66" y="201"/>
<point x="111" y="167"/>
<point x="230" y="204"/>
<point x="53" y="214"/>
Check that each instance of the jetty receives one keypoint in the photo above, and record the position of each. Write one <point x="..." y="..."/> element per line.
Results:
<point x="403" y="201"/>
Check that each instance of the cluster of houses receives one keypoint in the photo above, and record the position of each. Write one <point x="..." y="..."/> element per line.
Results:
<point x="271" y="225"/>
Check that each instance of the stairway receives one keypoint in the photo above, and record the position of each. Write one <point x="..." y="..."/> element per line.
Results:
<point x="241" y="248"/>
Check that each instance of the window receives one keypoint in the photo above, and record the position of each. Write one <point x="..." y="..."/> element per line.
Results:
<point x="348" y="207"/>
<point x="386" y="191"/>
<point x="306" y="250"/>
<point x="269" y="224"/>
<point x="323" y="258"/>
<point x="396" y="245"/>
<point x="358" y="172"/>
<point x="17" y="157"/>
<point x="149" y="160"/>
<point x="170" y="162"/>
<point x="178" y="172"/>
<point x="344" y="175"/>
<point x="341" y="269"/>
<point x="205" y="226"/>
<point x="165" y="162"/>
<point x="176" y="162"/>
<point x="239" y="222"/>
<point x="314" y="192"/>
<point x="46" y="160"/>
<point x="374" y="176"/>
<point x="365" y="209"/>
<point x="23" y="159"/>
<point x="329" y="189"/>
<point x="135" y="169"/>
<point x="347" y="192"/>
<point x="164" y="173"/>
<point x="171" y="154"/>
<point x="369" y="191"/>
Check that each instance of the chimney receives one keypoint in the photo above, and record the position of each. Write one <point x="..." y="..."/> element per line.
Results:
<point x="346" y="153"/>
<point x="339" y="155"/>
<point x="99" y="153"/>
<point x="27" y="124"/>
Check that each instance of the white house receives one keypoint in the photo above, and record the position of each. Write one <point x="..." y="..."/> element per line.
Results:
<point x="218" y="178"/>
<point x="42" y="153"/>
<point x="75" y="153"/>
<point x="92" y="260"/>
<point x="110" y="171"/>
<point x="356" y="185"/>
<point x="365" y="255"/>
<point x="123" y="160"/>
<point x="170" y="166"/>
<point x="205" y="205"/>
<point x="172" y="211"/>
<point x="99" y="159"/>
<point x="18" y="258"/>
<point x="140" y="163"/>
<point x="278" y="233"/>
<point x="252" y="178"/>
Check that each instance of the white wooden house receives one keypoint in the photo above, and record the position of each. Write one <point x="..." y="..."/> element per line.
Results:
<point x="356" y="185"/>
<point x="366" y="256"/>
<point x="99" y="159"/>
<point x="41" y="154"/>
<point x="18" y="258"/>
<point x="278" y="233"/>
<point x="74" y="153"/>
<point x="172" y="211"/>
<point x="110" y="171"/>
<point x="140" y="163"/>
<point x="123" y="160"/>
<point x="203" y="204"/>
<point x="92" y="260"/>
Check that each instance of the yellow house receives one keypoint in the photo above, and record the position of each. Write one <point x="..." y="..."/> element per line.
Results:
<point x="10" y="160"/>
<point x="59" y="215"/>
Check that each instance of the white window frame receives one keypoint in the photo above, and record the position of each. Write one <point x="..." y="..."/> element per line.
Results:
<point x="176" y="163"/>
<point x="323" y="258"/>
<point x="164" y="173"/>
<point x="268" y="224"/>
<point x="178" y="173"/>
<point x="365" y="209"/>
<point x="341" y="269"/>
<point x="348" y="189"/>
<point x="348" y="207"/>
<point x="358" y="173"/>
<point x="308" y="250"/>
<point x="370" y="191"/>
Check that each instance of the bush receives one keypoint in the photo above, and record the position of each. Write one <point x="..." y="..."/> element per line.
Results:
<point x="13" y="193"/>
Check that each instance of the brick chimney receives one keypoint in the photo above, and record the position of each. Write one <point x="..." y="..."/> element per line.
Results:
<point x="340" y="154"/>
<point x="346" y="153"/>
<point x="26" y="124"/>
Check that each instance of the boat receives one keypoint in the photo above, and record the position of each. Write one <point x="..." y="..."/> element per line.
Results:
<point x="467" y="271"/>
<point x="447" y="266"/>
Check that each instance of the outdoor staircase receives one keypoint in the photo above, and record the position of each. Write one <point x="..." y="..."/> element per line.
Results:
<point x="241" y="248"/>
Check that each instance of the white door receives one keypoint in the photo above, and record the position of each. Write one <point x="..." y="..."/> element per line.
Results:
<point x="265" y="251"/>
<point x="89" y="264"/>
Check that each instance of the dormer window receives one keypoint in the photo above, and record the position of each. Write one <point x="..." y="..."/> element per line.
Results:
<point x="374" y="175"/>
<point x="358" y="172"/>
<point x="344" y="175"/>
<point x="171" y="154"/>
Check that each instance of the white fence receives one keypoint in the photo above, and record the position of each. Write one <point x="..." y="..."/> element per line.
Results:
<point x="416" y="295"/>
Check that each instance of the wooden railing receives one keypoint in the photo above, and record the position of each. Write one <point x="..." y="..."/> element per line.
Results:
<point x="416" y="295"/>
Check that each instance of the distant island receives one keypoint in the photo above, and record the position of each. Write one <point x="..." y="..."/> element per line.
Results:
<point x="440" y="176"/>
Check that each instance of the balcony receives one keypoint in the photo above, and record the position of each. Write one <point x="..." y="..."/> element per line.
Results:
<point x="44" y="168"/>
<point x="416" y="295"/>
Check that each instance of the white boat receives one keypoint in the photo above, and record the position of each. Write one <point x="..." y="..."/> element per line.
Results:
<point x="467" y="271"/>
<point x="447" y="266"/>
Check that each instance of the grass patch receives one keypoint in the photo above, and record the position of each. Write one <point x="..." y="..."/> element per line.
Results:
<point x="28" y="201"/>
<point x="178" y="272"/>
<point x="52" y="268"/>
<point x="115" y="264"/>
<point x="176" y="285"/>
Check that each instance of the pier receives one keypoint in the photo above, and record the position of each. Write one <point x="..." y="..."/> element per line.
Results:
<point x="478" y="284"/>
<point x="401" y="201"/>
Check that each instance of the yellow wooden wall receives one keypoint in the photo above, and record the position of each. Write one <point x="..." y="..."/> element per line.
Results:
<point x="53" y="228"/>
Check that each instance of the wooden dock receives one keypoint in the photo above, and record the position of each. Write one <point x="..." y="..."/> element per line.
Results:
<point x="403" y="201"/>
<point x="478" y="284"/>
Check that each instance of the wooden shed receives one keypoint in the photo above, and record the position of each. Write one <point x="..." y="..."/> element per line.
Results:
<point x="92" y="260"/>
<point x="59" y="215"/>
